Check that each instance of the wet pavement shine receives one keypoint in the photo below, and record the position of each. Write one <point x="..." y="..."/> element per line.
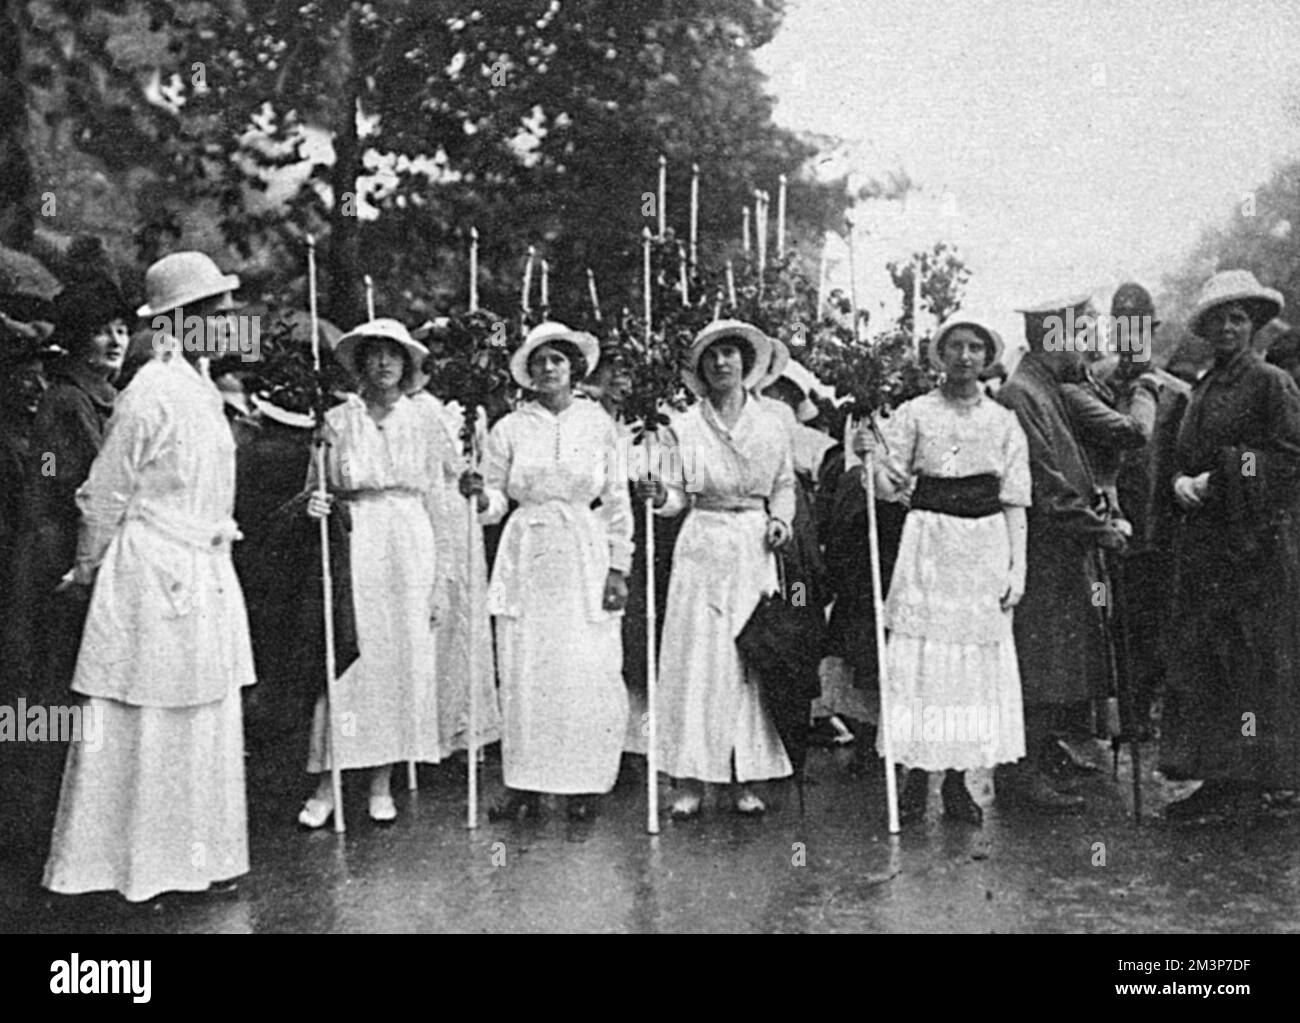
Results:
<point x="832" y="869"/>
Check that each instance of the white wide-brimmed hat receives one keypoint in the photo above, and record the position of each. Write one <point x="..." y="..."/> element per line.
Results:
<point x="182" y="278"/>
<point x="758" y="342"/>
<point x="1228" y="286"/>
<point x="546" y="333"/>
<point x="389" y="330"/>
<point x="977" y="323"/>
<point x="777" y="366"/>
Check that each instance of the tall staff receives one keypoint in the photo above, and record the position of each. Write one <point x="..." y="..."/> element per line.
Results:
<point x="327" y="577"/>
<point x="878" y="605"/>
<point x="651" y="669"/>
<point x="471" y="525"/>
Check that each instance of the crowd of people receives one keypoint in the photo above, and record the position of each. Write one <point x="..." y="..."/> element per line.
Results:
<point x="1089" y="533"/>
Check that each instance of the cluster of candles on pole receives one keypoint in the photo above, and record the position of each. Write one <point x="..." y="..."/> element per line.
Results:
<point x="688" y="253"/>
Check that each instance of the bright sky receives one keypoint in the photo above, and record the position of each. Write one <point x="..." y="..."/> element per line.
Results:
<point x="1063" y="145"/>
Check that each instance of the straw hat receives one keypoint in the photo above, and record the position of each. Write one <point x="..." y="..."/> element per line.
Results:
<point x="1230" y="286"/>
<point x="964" y="320"/>
<point x="345" y="351"/>
<point x="182" y="278"/>
<point x="757" y="342"/>
<point x="545" y="333"/>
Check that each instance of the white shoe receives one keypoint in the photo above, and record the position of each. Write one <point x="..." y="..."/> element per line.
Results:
<point x="316" y="812"/>
<point x="750" y="805"/>
<point x="685" y="806"/>
<point x="382" y="809"/>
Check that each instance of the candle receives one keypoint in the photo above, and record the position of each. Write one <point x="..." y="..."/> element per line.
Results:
<point x="370" y="297"/>
<point x="645" y="246"/>
<point x="821" y="280"/>
<point x="473" y="269"/>
<point x="731" y="284"/>
<point x="528" y="279"/>
<point x="681" y="262"/>
<point x="695" y="213"/>
<point x="546" y="284"/>
<point x="663" y="195"/>
<point x="760" y="230"/>
<point x="744" y="228"/>
<point x="591" y="289"/>
<point x="780" y="218"/>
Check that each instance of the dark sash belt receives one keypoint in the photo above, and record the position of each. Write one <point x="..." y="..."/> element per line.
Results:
<point x="966" y="497"/>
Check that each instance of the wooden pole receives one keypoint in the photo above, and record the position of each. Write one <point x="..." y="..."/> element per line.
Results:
<point x="878" y="605"/>
<point x="471" y="745"/>
<point x="327" y="578"/>
<point x="651" y="672"/>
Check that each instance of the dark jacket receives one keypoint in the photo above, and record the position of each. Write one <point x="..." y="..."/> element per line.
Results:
<point x="1057" y="625"/>
<point x="1232" y="709"/>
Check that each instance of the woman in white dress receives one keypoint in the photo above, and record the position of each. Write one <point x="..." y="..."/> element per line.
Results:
<point x="559" y="583"/>
<point x="961" y="461"/>
<point x="385" y="461"/>
<point x="454" y="634"/>
<point x="153" y="794"/>
<point x="736" y="478"/>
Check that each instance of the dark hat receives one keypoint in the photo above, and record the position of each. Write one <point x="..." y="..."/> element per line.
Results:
<point x="1131" y="299"/>
<point x="84" y="306"/>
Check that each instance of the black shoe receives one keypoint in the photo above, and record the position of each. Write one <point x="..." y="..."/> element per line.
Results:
<point x="957" y="802"/>
<point x="582" y="808"/>
<point x="1214" y="799"/>
<point x="1060" y="760"/>
<point x="916" y="793"/>
<point x="516" y="804"/>
<point x="1027" y="788"/>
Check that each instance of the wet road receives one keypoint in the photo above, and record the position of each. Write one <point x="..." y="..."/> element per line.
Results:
<point x="835" y="869"/>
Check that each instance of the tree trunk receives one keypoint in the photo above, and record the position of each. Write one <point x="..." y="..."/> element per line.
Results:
<point x="343" y="295"/>
<point x="17" y="180"/>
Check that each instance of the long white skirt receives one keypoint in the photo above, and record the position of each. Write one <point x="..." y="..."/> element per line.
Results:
<point x="563" y="702"/>
<point x="387" y="700"/>
<point x="158" y="807"/>
<point x="452" y="643"/>
<point x="954" y="681"/>
<point x="708" y="708"/>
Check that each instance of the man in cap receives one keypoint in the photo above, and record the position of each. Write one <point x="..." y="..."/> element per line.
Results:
<point x="1057" y="625"/>
<point x="1142" y="485"/>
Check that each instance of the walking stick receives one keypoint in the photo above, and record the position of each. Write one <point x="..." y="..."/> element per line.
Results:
<point x="651" y="670"/>
<point x="471" y="747"/>
<point x="327" y="578"/>
<point x="1115" y="623"/>
<point x="878" y="606"/>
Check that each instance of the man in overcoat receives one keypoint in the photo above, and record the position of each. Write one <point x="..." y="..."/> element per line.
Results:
<point x="1058" y="624"/>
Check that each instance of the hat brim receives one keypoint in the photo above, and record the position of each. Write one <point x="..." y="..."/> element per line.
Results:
<point x="1266" y="297"/>
<point x="415" y="379"/>
<point x="223" y="285"/>
<point x="973" y="323"/>
<point x="760" y="344"/>
<point x="779" y="362"/>
<point x="584" y="342"/>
